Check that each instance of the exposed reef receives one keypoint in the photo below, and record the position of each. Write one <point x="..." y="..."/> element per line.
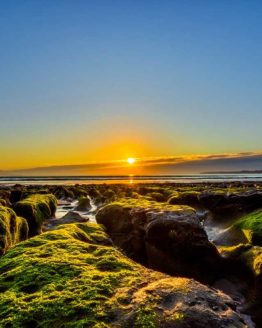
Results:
<point x="74" y="277"/>
<point x="161" y="255"/>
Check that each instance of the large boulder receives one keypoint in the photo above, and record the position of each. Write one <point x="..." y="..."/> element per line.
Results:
<point x="167" y="238"/>
<point x="233" y="204"/>
<point x="185" y="198"/>
<point x="116" y="217"/>
<point x="73" y="277"/>
<point x="83" y="205"/>
<point x="13" y="229"/>
<point x="178" y="245"/>
<point x="36" y="209"/>
<point x="118" y="221"/>
<point x="249" y="201"/>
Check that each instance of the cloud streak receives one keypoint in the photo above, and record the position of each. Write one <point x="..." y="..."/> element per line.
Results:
<point x="187" y="164"/>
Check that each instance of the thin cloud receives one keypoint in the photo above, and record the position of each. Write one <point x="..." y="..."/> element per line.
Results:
<point x="154" y="165"/>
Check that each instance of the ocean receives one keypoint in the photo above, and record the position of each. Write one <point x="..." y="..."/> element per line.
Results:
<point x="71" y="180"/>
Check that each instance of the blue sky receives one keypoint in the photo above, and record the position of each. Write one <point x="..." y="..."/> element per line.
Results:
<point x="80" y="79"/>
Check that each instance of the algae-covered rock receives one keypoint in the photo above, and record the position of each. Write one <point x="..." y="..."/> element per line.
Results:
<point x="157" y="196"/>
<point x="251" y="226"/>
<point x="250" y="257"/>
<point x="231" y="204"/>
<point x="62" y="192"/>
<point x="185" y="198"/>
<point x="109" y="194"/>
<point x="167" y="238"/>
<point x="253" y="258"/>
<point x="96" y="195"/>
<point x="73" y="277"/>
<point x="35" y="209"/>
<point x="13" y="229"/>
<point x="83" y="204"/>
<point x="2" y="202"/>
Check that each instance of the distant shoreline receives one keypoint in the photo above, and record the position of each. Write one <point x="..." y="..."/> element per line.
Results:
<point x="234" y="172"/>
<point x="132" y="179"/>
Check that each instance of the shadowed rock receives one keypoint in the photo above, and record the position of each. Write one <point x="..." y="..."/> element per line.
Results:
<point x="167" y="238"/>
<point x="83" y="205"/>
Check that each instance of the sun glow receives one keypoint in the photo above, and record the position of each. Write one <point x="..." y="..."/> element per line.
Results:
<point x="131" y="160"/>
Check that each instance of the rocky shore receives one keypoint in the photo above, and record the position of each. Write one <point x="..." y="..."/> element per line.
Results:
<point x="145" y="255"/>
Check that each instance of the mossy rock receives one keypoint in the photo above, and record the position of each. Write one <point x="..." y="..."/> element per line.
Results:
<point x="83" y="204"/>
<point x="185" y="198"/>
<point x="251" y="227"/>
<point x="79" y="191"/>
<point x="157" y="196"/>
<point x="2" y="202"/>
<point x="164" y="237"/>
<point x="146" y="203"/>
<point x="73" y="277"/>
<point x="62" y="192"/>
<point x="35" y="209"/>
<point x="109" y="194"/>
<point x="13" y="229"/>
<point x="118" y="216"/>
<point x="250" y="257"/>
<point x="254" y="259"/>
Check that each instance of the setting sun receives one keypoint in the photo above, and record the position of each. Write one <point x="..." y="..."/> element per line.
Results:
<point x="131" y="160"/>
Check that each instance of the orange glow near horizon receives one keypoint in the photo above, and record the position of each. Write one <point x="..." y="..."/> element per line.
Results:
<point x="186" y="164"/>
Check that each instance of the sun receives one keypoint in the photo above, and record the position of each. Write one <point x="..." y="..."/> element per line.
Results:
<point x="131" y="160"/>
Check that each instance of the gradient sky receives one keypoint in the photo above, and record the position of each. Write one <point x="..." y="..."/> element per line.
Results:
<point x="90" y="81"/>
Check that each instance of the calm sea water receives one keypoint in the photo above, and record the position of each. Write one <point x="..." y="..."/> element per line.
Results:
<point x="66" y="180"/>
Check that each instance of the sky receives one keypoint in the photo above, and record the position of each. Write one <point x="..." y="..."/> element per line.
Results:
<point x="86" y="83"/>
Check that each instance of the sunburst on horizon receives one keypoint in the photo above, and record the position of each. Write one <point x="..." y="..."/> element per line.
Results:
<point x="131" y="160"/>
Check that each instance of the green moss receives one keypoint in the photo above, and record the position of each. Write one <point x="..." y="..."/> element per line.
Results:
<point x="251" y="226"/>
<point x="73" y="277"/>
<point x="184" y="197"/>
<point x="178" y="317"/>
<point x="143" y="202"/>
<point x="117" y="216"/>
<point x="35" y="209"/>
<point x="146" y="318"/>
<point x="233" y="251"/>
<point x="157" y="196"/>
<point x="253" y="258"/>
<point x="13" y="229"/>
<point x="62" y="278"/>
